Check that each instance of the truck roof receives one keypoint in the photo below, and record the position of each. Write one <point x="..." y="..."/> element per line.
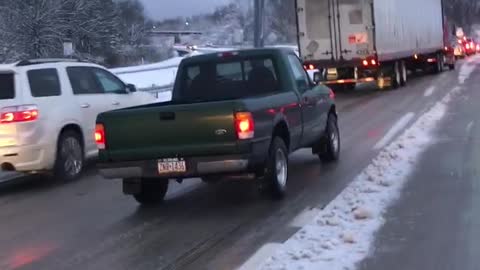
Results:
<point x="241" y="53"/>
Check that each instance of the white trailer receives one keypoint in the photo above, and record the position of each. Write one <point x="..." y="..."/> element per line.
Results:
<point x="351" y="41"/>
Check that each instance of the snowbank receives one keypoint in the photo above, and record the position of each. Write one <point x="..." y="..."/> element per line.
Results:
<point x="342" y="234"/>
<point x="172" y="62"/>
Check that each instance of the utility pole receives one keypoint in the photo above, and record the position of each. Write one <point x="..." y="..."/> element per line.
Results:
<point x="259" y="7"/>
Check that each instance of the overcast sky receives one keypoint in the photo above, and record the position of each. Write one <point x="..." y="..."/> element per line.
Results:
<point x="162" y="9"/>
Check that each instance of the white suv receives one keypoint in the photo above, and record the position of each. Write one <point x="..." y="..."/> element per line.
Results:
<point x="48" y="109"/>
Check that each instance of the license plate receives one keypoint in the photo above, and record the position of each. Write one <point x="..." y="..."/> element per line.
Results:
<point x="173" y="165"/>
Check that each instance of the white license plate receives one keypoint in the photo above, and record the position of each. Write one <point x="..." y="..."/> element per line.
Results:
<point x="173" y="165"/>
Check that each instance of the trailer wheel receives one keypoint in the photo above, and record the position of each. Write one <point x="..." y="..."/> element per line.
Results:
<point x="395" y="77"/>
<point x="403" y="73"/>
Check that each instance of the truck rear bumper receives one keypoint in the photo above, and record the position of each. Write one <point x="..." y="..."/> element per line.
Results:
<point x="195" y="167"/>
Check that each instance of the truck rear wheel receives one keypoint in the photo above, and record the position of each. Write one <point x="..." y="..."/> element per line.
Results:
<point x="396" y="76"/>
<point x="403" y="73"/>
<point x="152" y="191"/>
<point x="330" y="143"/>
<point x="276" y="173"/>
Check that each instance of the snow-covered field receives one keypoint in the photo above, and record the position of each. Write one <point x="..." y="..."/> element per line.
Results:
<point x="342" y="234"/>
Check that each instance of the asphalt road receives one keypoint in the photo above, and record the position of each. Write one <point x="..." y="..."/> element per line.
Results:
<point x="89" y="224"/>
<point x="436" y="223"/>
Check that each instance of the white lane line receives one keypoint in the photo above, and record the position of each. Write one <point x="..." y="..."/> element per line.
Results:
<point x="469" y="128"/>
<point x="429" y="91"/>
<point x="399" y="126"/>
<point x="266" y="251"/>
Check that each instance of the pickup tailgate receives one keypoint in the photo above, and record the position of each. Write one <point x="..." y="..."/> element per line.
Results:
<point x="169" y="131"/>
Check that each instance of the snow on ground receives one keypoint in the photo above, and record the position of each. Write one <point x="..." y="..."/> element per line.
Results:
<point x="167" y="63"/>
<point x="150" y="78"/>
<point x="164" y="96"/>
<point x="342" y="234"/>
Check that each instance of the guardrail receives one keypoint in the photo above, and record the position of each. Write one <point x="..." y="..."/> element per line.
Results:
<point x="156" y="90"/>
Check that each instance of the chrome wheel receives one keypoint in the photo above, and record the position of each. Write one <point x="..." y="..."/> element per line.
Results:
<point x="281" y="167"/>
<point x="72" y="155"/>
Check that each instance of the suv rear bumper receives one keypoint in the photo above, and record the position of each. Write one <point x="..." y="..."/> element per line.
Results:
<point x="196" y="167"/>
<point x="27" y="158"/>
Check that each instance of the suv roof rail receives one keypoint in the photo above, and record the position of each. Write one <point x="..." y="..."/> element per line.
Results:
<point x="39" y="61"/>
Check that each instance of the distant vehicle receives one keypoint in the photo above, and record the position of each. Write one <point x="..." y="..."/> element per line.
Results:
<point x="356" y="41"/>
<point x="48" y="113"/>
<point x="470" y="46"/>
<point x="232" y="113"/>
<point x="459" y="50"/>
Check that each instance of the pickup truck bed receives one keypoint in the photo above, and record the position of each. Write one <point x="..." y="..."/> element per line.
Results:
<point x="231" y="113"/>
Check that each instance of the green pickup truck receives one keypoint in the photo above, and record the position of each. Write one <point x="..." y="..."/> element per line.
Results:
<point x="232" y="114"/>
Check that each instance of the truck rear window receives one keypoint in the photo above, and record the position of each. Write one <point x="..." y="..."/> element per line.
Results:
<point x="227" y="80"/>
<point x="7" y="86"/>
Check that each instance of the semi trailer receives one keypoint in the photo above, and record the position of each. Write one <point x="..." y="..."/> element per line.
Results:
<point x="353" y="41"/>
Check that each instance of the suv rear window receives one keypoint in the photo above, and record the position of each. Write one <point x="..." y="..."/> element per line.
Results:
<point x="7" y="86"/>
<point x="226" y="80"/>
<point x="44" y="82"/>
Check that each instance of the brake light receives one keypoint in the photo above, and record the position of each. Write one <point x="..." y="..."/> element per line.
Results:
<point x="374" y="62"/>
<point x="311" y="67"/>
<point x="467" y="46"/>
<point x="16" y="114"/>
<point x="244" y="125"/>
<point x="365" y="62"/>
<point x="100" y="136"/>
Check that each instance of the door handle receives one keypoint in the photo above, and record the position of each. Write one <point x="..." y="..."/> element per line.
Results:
<point x="116" y="103"/>
<point x="85" y="105"/>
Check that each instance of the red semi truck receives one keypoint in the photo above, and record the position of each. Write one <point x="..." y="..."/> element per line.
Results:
<point x="354" y="41"/>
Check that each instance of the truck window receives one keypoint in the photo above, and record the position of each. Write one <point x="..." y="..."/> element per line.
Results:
<point x="301" y="77"/>
<point x="227" y="80"/>
<point x="7" y="86"/>
<point x="44" y="82"/>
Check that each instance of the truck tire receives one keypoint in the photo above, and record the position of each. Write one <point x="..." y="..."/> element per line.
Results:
<point x="396" y="76"/>
<point x="403" y="73"/>
<point x="330" y="146"/>
<point x="276" y="172"/>
<point x="152" y="191"/>
<point x="70" y="158"/>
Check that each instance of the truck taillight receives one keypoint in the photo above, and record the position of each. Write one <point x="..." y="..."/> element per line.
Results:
<point x="100" y="136"/>
<point x="244" y="125"/>
<point x="16" y="114"/>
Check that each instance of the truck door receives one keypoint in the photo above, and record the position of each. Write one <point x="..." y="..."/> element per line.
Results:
<point x="335" y="29"/>
<point x="354" y="29"/>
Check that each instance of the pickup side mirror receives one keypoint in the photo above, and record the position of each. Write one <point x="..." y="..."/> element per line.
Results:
<point x="317" y="77"/>
<point x="131" y="88"/>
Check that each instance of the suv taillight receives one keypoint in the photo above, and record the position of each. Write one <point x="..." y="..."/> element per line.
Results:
<point x="100" y="136"/>
<point x="244" y="125"/>
<point x="16" y="114"/>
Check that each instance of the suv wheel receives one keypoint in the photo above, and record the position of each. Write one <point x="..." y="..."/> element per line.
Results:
<point x="276" y="174"/>
<point x="331" y="141"/>
<point x="70" y="156"/>
<point x="152" y="191"/>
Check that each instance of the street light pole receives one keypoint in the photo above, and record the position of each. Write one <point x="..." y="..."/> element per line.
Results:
<point x="259" y="7"/>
